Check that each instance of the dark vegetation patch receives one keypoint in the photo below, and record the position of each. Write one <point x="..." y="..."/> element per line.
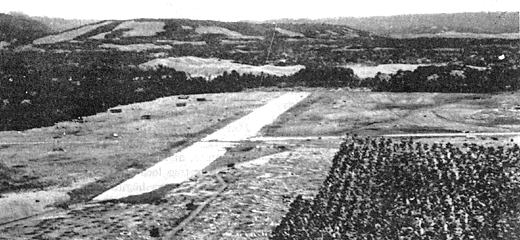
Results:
<point x="102" y="29"/>
<point x="424" y="129"/>
<point x="16" y="178"/>
<point x="176" y="144"/>
<point x="154" y="197"/>
<point x="91" y="190"/>
<point x="386" y="189"/>
<point x="403" y="106"/>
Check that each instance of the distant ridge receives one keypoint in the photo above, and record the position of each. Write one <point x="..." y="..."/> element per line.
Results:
<point x="196" y="31"/>
<point x="60" y="24"/>
<point x="470" y="22"/>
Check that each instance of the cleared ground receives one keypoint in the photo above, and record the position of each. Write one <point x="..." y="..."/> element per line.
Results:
<point x="108" y="148"/>
<point x="364" y="71"/>
<point x="334" y="113"/>
<point x="213" y="67"/>
<point x="140" y="29"/>
<point x="135" y="47"/>
<point x="244" y="193"/>
<point x="68" y="35"/>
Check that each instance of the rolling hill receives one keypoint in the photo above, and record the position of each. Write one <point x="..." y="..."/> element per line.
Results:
<point x="195" y="30"/>
<point x="418" y="24"/>
<point x="20" y="29"/>
<point x="250" y="43"/>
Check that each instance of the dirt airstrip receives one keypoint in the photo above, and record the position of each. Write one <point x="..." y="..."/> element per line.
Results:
<point x="244" y="193"/>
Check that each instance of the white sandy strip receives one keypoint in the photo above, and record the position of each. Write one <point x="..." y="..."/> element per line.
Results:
<point x="68" y="35"/>
<point x="190" y="161"/>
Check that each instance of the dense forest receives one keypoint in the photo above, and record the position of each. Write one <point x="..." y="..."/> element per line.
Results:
<point x="385" y="189"/>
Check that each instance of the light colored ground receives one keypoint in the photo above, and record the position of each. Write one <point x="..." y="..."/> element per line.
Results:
<point x="329" y="113"/>
<point x="213" y="67"/>
<point x="191" y="160"/>
<point x="100" y="36"/>
<point x="364" y="71"/>
<point x="135" y="47"/>
<point x="224" y="31"/>
<point x="4" y="44"/>
<point x="288" y="33"/>
<point x="111" y="147"/>
<point x="68" y="35"/>
<point x="141" y="29"/>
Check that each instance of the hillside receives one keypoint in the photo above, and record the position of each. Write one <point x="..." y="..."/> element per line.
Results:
<point x="60" y="24"/>
<point x="244" y="42"/>
<point x="22" y="29"/>
<point x="480" y="23"/>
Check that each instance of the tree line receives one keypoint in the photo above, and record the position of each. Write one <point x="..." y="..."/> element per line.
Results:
<point x="38" y="91"/>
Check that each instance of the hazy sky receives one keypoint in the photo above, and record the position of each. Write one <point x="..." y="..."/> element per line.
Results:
<point x="235" y="10"/>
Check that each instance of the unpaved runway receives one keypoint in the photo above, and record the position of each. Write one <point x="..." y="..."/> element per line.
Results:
<point x="190" y="161"/>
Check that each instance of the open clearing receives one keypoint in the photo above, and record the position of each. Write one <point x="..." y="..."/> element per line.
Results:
<point x="288" y="33"/>
<point x="329" y="113"/>
<point x="223" y="31"/>
<point x="212" y="67"/>
<point x="364" y="71"/>
<point x="139" y="47"/>
<point x="141" y="29"/>
<point x="68" y="35"/>
<point x="108" y="148"/>
<point x="246" y="191"/>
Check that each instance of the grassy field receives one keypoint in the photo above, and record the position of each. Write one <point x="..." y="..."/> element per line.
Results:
<point x="370" y="113"/>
